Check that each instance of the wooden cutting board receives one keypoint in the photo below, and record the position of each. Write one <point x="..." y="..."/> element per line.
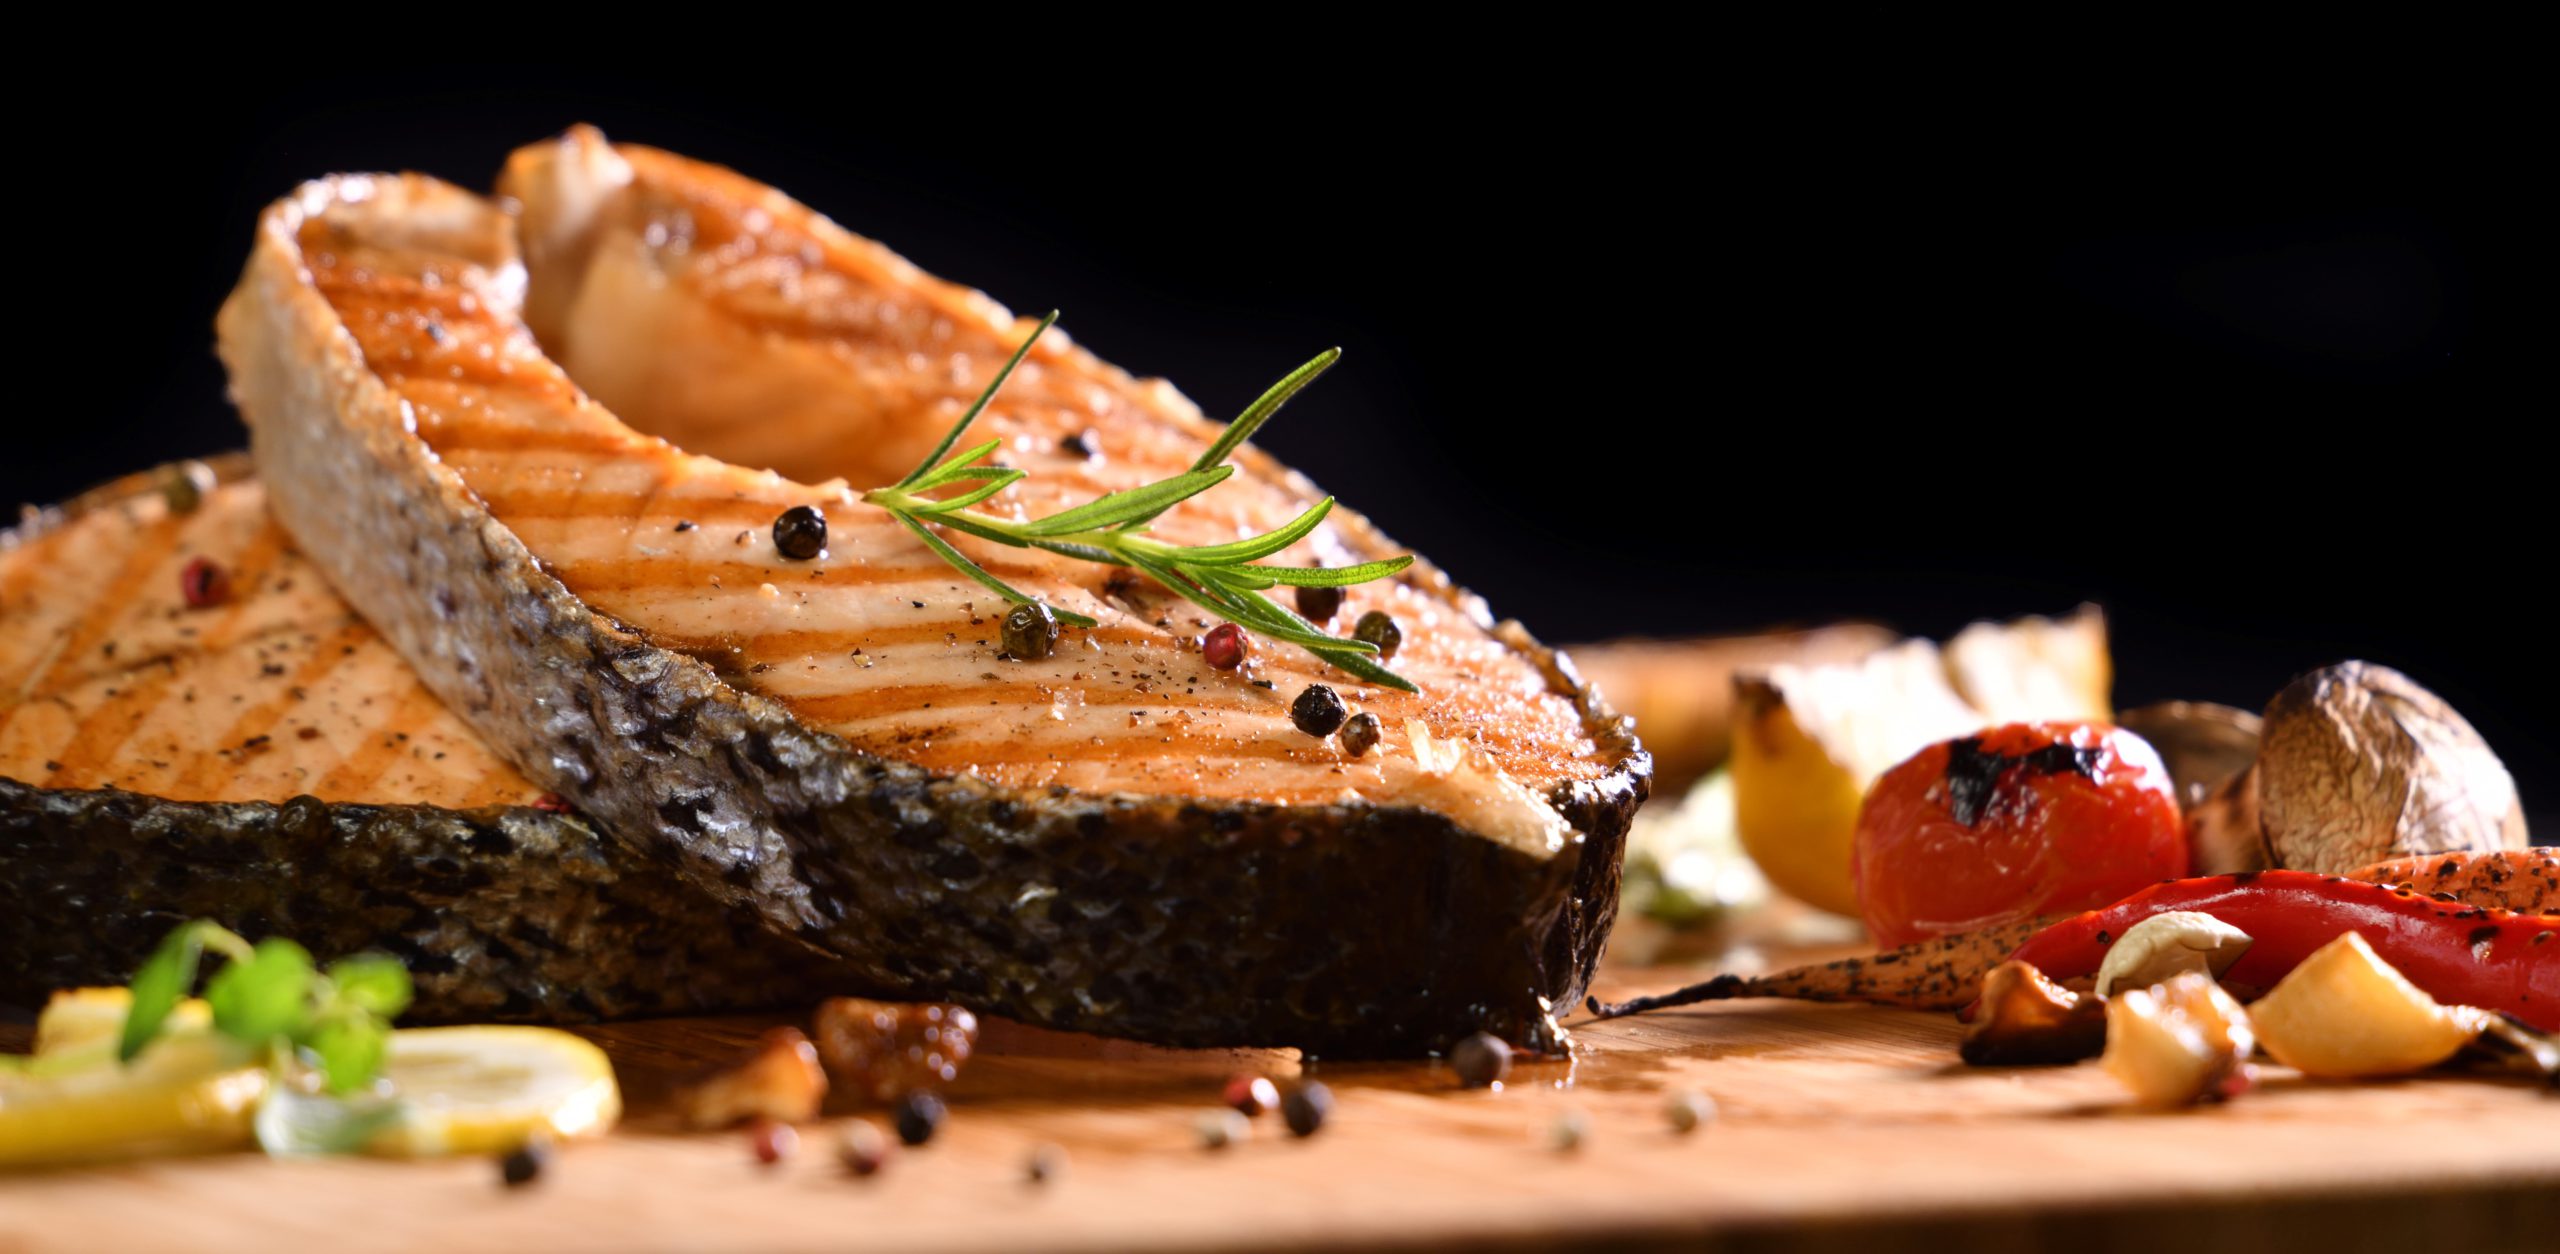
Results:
<point x="1841" y="1127"/>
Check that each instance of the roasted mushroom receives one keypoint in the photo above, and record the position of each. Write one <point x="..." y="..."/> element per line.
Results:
<point x="2026" y="1020"/>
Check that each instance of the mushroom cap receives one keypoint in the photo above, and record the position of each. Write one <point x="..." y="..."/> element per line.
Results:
<point x="2359" y="764"/>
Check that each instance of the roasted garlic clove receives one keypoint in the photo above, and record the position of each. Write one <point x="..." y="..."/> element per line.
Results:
<point x="2359" y="765"/>
<point x="2179" y="1042"/>
<point x="2026" y="1020"/>
<point x="780" y="1080"/>
<point x="2346" y="1013"/>
<point x="883" y="1050"/>
<point x="2167" y="945"/>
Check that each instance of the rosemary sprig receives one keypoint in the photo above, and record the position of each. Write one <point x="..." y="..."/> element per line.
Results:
<point x="1220" y="578"/>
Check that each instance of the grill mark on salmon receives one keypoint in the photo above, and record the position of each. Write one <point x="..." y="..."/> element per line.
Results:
<point x="1468" y="885"/>
<point x="183" y="794"/>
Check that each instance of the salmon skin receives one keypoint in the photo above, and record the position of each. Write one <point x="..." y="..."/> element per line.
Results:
<point x="162" y="762"/>
<point x="1114" y="839"/>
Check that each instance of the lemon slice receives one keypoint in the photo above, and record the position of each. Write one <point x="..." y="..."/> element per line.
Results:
<point x="75" y="1103"/>
<point x="486" y="1090"/>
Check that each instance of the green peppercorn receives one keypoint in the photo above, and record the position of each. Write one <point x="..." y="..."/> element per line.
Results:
<point x="1318" y="711"/>
<point x="185" y="485"/>
<point x="1360" y="735"/>
<point x="1030" y="632"/>
<point x="1379" y="628"/>
<point x="801" y="533"/>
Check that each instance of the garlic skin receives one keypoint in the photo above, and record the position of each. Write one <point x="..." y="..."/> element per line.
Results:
<point x="2165" y="946"/>
<point x="2360" y="765"/>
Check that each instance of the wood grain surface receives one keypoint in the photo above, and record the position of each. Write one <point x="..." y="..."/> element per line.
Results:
<point x="1841" y="1128"/>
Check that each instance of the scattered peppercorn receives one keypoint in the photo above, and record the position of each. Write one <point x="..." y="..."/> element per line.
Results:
<point x="525" y="1163"/>
<point x="185" y="485"/>
<point x="919" y="1117"/>
<point x="1043" y="1164"/>
<point x="1379" y="628"/>
<point x="1080" y="444"/>
<point x="1570" y="1130"/>
<point x="1319" y="605"/>
<point x="1306" y="1108"/>
<point x="1689" y="1111"/>
<point x="801" y="533"/>
<point x="771" y="1139"/>
<point x="1318" y="711"/>
<point x="1250" y="1095"/>
<point x="1030" y="632"/>
<point x="1221" y="1128"/>
<point x="551" y="803"/>
<point x="1360" y="735"/>
<point x="203" y="583"/>
<point x="863" y="1148"/>
<point x="1225" y="646"/>
<point x="1481" y="1060"/>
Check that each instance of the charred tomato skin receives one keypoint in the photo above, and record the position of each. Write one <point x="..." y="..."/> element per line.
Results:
<point x="2019" y="820"/>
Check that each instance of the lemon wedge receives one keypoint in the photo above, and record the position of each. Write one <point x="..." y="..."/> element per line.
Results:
<point x="487" y="1090"/>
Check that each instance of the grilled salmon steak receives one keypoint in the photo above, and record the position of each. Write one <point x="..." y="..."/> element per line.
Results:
<point x="1115" y="838"/>
<point x="193" y="726"/>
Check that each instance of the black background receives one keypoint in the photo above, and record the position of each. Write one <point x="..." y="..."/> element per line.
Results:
<point x="1668" y="350"/>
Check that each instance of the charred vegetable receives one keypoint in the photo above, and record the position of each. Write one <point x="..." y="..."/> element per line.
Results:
<point x="2494" y="959"/>
<point x="1943" y="973"/>
<point x="2020" y="820"/>
<point x="2179" y="1043"/>
<point x="2345" y="1013"/>
<point x="2523" y="880"/>
<point x="2026" y="1020"/>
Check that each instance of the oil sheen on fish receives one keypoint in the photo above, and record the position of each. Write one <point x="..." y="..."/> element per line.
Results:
<point x="266" y="760"/>
<point x="1117" y="838"/>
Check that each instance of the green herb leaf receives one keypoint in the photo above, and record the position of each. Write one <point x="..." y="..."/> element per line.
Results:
<point x="166" y="978"/>
<point x="960" y="561"/>
<point x="995" y="483"/>
<point x="1150" y="500"/>
<point x="1237" y="552"/>
<point x="374" y="983"/>
<point x="264" y="997"/>
<point x="1331" y="576"/>
<point x="959" y="466"/>
<point x="1112" y="529"/>
<point x="350" y="1046"/>
<point x="952" y="436"/>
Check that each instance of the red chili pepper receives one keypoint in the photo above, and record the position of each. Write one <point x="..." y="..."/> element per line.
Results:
<point x="2461" y="955"/>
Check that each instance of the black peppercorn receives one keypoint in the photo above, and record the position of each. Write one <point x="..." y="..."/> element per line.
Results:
<point x="1481" y="1060"/>
<point x="1319" y="605"/>
<point x="1318" y="711"/>
<point x="1379" y="628"/>
<point x="1080" y="444"/>
<point x="1360" y="735"/>
<point x="801" y="533"/>
<point x="1306" y="1107"/>
<point x="525" y="1164"/>
<point x="919" y="1117"/>
<point x="1043" y="1164"/>
<point x="1030" y="632"/>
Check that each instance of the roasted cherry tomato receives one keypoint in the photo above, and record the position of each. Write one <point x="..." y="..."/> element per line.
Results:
<point x="2021" y="820"/>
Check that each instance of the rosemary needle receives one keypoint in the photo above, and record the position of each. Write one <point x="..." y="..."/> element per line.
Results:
<point x="1112" y="529"/>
